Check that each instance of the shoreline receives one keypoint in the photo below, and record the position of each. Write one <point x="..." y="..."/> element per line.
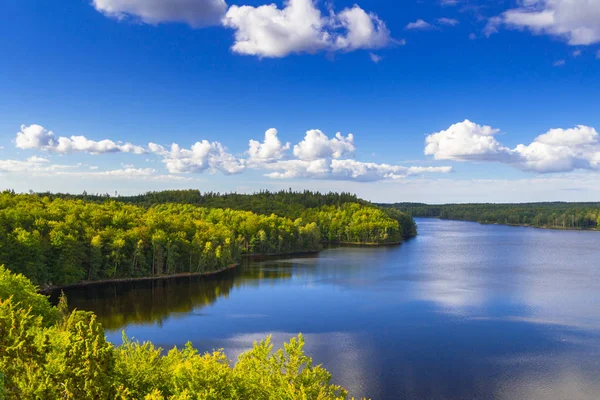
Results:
<point x="552" y="228"/>
<point x="47" y="290"/>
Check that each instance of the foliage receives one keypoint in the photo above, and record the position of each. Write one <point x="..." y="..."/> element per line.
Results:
<point x="283" y="203"/>
<point x="21" y="291"/>
<point x="60" y="240"/>
<point x="544" y="215"/>
<point x="352" y="223"/>
<point x="71" y="359"/>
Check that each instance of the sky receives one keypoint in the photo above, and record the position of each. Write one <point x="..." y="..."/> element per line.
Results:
<point x="436" y="101"/>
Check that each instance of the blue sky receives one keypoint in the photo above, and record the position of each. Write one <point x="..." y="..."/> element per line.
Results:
<point x="446" y="101"/>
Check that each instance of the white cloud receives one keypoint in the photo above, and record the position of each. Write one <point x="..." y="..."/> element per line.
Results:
<point x="363" y="30"/>
<point x="299" y="27"/>
<point x="271" y="149"/>
<point x="38" y="138"/>
<point x="316" y="157"/>
<point x="356" y="170"/>
<point x="419" y="25"/>
<point x="351" y="170"/>
<point x="317" y="145"/>
<point x="448" y="21"/>
<point x="202" y="156"/>
<point x="300" y="169"/>
<point x="558" y="150"/>
<point x="559" y="63"/>
<point x="36" y="159"/>
<point x="577" y="53"/>
<point x="33" y="165"/>
<point x="492" y="26"/>
<point x="577" y="21"/>
<point x="598" y="54"/>
<point x="375" y="58"/>
<point x="195" y="13"/>
<point x="465" y="141"/>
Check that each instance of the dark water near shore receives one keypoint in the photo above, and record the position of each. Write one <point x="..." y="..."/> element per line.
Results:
<point x="463" y="311"/>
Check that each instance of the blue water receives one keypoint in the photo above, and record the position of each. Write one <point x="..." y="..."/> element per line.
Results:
<point x="463" y="311"/>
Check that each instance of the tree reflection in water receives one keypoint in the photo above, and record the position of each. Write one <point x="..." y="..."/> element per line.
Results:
<point x="152" y="302"/>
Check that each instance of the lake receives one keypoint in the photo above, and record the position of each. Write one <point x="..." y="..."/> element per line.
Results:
<point x="463" y="311"/>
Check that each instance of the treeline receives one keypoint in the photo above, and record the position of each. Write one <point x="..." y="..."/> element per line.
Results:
<point x="56" y="241"/>
<point x="283" y="203"/>
<point x="556" y="215"/>
<point x="48" y="353"/>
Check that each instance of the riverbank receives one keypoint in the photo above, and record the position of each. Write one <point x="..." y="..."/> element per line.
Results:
<point x="50" y="288"/>
<point x="47" y="289"/>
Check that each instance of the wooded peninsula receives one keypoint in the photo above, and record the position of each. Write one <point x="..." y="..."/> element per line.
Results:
<point x="61" y="239"/>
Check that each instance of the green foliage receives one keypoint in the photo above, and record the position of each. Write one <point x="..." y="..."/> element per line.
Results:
<point x="71" y="359"/>
<point x="353" y="223"/>
<point x="544" y="215"/>
<point x="60" y="240"/>
<point x="21" y="291"/>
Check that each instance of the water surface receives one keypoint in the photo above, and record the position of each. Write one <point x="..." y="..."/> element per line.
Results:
<point x="463" y="311"/>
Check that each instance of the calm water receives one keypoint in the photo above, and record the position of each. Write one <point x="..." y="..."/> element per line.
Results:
<point x="463" y="311"/>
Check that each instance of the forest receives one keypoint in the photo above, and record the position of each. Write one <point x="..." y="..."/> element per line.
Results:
<point x="47" y="352"/>
<point x="557" y="215"/>
<point x="59" y="240"/>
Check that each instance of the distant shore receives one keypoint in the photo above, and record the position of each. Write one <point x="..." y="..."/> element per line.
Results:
<point x="554" y="228"/>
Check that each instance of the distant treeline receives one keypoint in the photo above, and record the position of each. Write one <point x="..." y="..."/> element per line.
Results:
<point x="62" y="239"/>
<point x="556" y="215"/>
<point x="283" y="203"/>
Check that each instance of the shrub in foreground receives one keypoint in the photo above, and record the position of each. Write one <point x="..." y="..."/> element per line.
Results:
<point x="48" y="353"/>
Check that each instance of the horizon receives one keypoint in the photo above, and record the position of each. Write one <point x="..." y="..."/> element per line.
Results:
<point x="117" y="195"/>
<point x="440" y="102"/>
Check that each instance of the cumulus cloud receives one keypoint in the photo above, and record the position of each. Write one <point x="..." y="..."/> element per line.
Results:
<point x="317" y="145"/>
<point x="195" y="13"/>
<point x="465" y="141"/>
<point x="419" y="25"/>
<point x="577" y="21"/>
<point x="362" y="30"/>
<point x="36" y="137"/>
<point x="558" y="150"/>
<point x="316" y="156"/>
<point x="319" y="157"/>
<point x="271" y="149"/>
<point x="300" y="27"/>
<point x="202" y="156"/>
<point x="349" y="169"/>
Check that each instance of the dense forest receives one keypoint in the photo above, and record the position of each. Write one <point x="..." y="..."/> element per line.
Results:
<point x="283" y="203"/>
<point x="60" y="240"/>
<point x="49" y="353"/>
<point x="543" y="215"/>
